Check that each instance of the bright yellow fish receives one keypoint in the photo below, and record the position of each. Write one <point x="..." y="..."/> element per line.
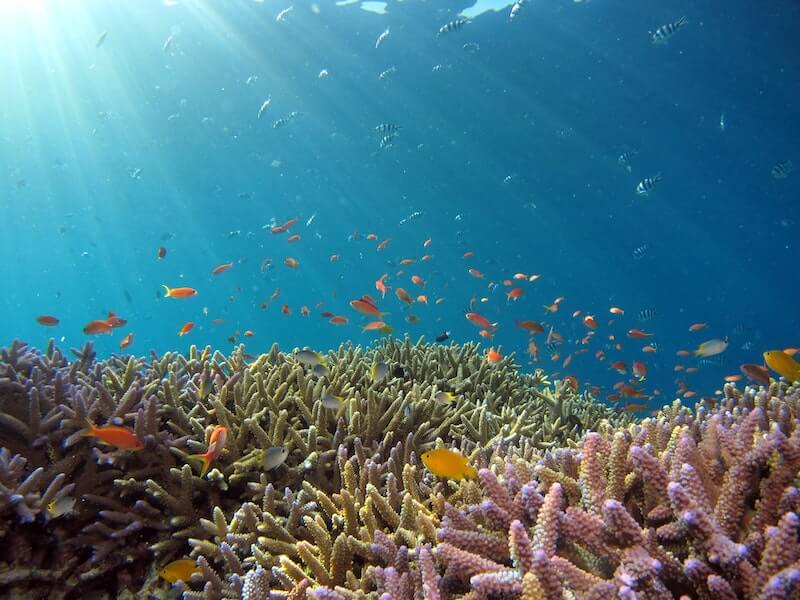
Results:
<point x="783" y="364"/>
<point x="179" y="569"/>
<point x="446" y="463"/>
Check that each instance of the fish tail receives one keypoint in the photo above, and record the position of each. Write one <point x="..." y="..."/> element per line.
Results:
<point x="91" y="429"/>
<point x="166" y="291"/>
<point x="205" y="459"/>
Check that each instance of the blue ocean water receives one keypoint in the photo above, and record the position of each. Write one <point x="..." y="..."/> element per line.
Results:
<point x="508" y="150"/>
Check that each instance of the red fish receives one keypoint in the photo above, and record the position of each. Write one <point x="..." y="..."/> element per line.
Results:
<point x="120" y="437"/>
<point x="493" y="356"/>
<point x="403" y="296"/>
<point x="757" y="373"/>
<point x="589" y="321"/>
<point x="162" y="252"/>
<point x="290" y="262"/>
<point x="639" y="334"/>
<point x="476" y="273"/>
<point x="187" y="327"/>
<point x="366" y="306"/>
<point x="216" y="442"/>
<point x="98" y="327"/>
<point x="480" y="321"/>
<point x="531" y="326"/>
<point x="47" y="320"/>
<point x="515" y="294"/>
<point x="337" y="320"/>
<point x="126" y="341"/>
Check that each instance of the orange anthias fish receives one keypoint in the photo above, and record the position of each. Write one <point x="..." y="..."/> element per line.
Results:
<point x="179" y="292"/>
<point x="126" y="341"/>
<point x="216" y="442"/>
<point x="186" y="328"/>
<point x="757" y="373"/>
<point x="96" y="327"/>
<point x="639" y="334"/>
<point x="615" y="310"/>
<point x="697" y="326"/>
<point x="515" y="294"/>
<point x="403" y="296"/>
<point x="380" y="285"/>
<point x="365" y="306"/>
<point x="417" y="280"/>
<point x="115" y="321"/>
<point x="47" y="320"/>
<point x="383" y="244"/>
<point x="113" y="435"/>
<point x="530" y="326"/>
<point x="476" y="273"/>
<point x="374" y="325"/>
<point x="479" y="320"/>
<point x="589" y="321"/>
<point x="446" y="463"/>
<point x="290" y="262"/>
<point x="221" y="268"/>
<point x="338" y="320"/>
<point x="493" y="356"/>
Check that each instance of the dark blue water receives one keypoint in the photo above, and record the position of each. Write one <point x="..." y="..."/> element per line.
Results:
<point x="551" y="99"/>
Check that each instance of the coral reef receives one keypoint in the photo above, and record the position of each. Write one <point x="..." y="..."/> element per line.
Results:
<point x="329" y="500"/>
<point x="351" y="474"/>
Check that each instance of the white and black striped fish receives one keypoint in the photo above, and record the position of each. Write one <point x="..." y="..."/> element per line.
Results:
<point x="647" y="185"/>
<point x="624" y="160"/>
<point x="646" y="314"/>
<point x="454" y="25"/>
<point x="382" y="38"/>
<point x="387" y="141"/>
<point x="515" y="9"/>
<point x="663" y="33"/>
<point x="388" y="129"/>
<point x="782" y="169"/>
<point x="640" y="252"/>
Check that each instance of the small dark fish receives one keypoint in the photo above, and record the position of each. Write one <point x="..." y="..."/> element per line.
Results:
<point x="401" y="372"/>
<point x="443" y="337"/>
<point x="782" y="170"/>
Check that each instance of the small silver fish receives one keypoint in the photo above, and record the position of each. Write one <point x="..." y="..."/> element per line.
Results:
<point x="62" y="506"/>
<point x="387" y="141"/>
<point x="319" y="371"/>
<point x="101" y="39"/>
<point x="323" y="74"/>
<point x="264" y="106"/>
<point x="515" y="9"/>
<point x="332" y="402"/>
<point x="444" y="397"/>
<point x="309" y="358"/>
<point x="382" y="38"/>
<point x="168" y="43"/>
<point x="282" y="15"/>
<point x="274" y="457"/>
<point x="379" y="371"/>
<point x="388" y="129"/>
<point x="711" y="348"/>
<point x="472" y="47"/>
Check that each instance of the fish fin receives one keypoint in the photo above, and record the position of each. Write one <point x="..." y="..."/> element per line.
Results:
<point x="471" y="472"/>
<point x="91" y="429"/>
<point x="205" y="459"/>
<point x="166" y="290"/>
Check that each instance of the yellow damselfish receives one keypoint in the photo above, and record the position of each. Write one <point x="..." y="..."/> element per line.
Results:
<point x="783" y="364"/>
<point x="179" y="569"/>
<point x="446" y="463"/>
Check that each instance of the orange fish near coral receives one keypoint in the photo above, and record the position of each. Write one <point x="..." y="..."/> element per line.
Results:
<point x="47" y="320"/>
<point x="113" y="435"/>
<point x="179" y="292"/>
<point x="186" y="328"/>
<point x="479" y="321"/>
<point x="179" y="570"/>
<point x="446" y="463"/>
<point x="493" y="356"/>
<point x="216" y="442"/>
<point x="126" y="341"/>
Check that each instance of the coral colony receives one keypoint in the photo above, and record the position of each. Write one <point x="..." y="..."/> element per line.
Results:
<point x="294" y="476"/>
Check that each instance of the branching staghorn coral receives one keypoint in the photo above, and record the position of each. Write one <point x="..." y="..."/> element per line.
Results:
<point x="347" y="475"/>
<point x="699" y="503"/>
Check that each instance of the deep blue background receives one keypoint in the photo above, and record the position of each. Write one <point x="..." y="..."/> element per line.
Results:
<point x="552" y="98"/>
